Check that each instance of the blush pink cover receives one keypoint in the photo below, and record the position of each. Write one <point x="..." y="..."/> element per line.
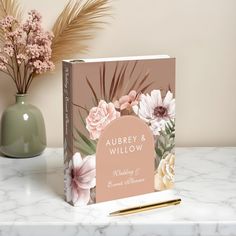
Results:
<point x="119" y="128"/>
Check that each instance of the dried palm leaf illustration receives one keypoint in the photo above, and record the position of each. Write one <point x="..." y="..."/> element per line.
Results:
<point x="123" y="81"/>
<point x="75" y="25"/>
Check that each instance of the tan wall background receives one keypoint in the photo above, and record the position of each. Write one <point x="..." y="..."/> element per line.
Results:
<point x="201" y="34"/>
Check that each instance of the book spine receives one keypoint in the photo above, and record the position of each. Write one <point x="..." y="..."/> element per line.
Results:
<point x="67" y="113"/>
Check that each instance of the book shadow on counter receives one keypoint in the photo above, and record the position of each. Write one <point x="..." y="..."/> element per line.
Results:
<point x="55" y="177"/>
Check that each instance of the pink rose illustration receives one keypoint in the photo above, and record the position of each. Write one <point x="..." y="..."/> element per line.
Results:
<point x="79" y="179"/>
<point x="99" y="117"/>
<point x="127" y="101"/>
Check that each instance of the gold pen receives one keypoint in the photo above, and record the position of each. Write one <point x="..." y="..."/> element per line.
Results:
<point x="146" y="207"/>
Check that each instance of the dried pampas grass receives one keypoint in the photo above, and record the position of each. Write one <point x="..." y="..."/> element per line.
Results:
<point x="76" y="24"/>
<point x="9" y="7"/>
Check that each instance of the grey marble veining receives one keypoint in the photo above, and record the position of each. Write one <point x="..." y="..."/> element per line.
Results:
<point x="32" y="203"/>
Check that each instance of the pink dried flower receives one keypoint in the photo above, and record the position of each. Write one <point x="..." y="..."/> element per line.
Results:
<point x="20" y="58"/>
<point x="33" y="51"/>
<point x="27" y="43"/>
<point x="8" y="49"/>
<point x="15" y="35"/>
<point x="20" y="38"/>
<point x="51" y="65"/>
<point x="35" y="16"/>
<point x="2" y="66"/>
<point x="41" y="67"/>
<point x="7" y="22"/>
<point x="34" y="21"/>
<point x="3" y="59"/>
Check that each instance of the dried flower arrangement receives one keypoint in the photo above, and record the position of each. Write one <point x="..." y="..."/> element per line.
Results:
<point x="27" y="50"/>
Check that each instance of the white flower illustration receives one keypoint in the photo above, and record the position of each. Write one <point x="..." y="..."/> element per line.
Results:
<point x="155" y="111"/>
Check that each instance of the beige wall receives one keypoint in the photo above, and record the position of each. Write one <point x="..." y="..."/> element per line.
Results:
<point x="201" y="34"/>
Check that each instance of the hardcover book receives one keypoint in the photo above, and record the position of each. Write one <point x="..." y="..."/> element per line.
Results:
<point x="119" y="127"/>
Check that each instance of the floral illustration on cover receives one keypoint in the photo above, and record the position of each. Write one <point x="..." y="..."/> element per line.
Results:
<point x="155" y="107"/>
<point x="81" y="177"/>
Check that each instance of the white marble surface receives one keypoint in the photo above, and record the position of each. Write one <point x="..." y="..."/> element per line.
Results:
<point x="32" y="204"/>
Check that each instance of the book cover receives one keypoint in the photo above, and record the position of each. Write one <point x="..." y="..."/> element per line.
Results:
<point x="119" y="127"/>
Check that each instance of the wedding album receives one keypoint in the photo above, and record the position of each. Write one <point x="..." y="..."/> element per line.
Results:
<point x="119" y="127"/>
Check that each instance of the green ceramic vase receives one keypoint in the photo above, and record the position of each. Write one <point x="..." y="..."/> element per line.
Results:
<point x="22" y="130"/>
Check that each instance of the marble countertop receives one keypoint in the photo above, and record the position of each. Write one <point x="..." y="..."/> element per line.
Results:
<point x="32" y="203"/>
